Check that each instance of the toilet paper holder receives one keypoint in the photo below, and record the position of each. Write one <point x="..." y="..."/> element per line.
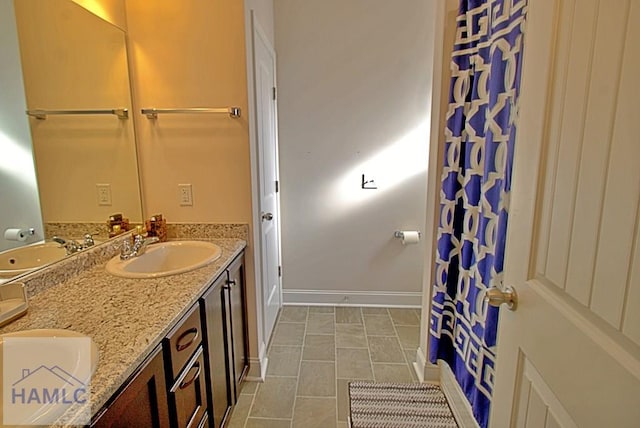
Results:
<point x="400" y="234"/>
<point x="15" y="234"/>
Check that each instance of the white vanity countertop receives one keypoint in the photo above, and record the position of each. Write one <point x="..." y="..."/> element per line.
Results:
<point x="126" y="318"/>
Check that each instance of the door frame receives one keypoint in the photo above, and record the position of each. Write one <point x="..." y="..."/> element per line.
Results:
<point x="257" y="357"/>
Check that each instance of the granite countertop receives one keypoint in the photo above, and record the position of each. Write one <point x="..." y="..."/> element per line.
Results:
<point x="126" y="318"/>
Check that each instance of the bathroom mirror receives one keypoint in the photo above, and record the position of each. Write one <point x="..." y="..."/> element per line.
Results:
<point x="86" y="164"/>
<point x="74" y="61"/>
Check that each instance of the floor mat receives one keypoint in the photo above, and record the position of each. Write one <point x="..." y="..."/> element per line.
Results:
<point x="398" y="405"/>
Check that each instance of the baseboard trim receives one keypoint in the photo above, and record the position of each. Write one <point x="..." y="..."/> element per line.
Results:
<point x="352" y="298"/>
<point x="257" y="369"/>
<point x="425" y="371"/>
<point x="457" y="400"/>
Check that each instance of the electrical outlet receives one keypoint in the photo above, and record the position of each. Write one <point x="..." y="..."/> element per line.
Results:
<point x="185" y="194"/>
<point x="104" y="194"/>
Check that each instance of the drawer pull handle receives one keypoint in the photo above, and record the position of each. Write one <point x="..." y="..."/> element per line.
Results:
<point x="186" y="384"/>
<point x="193" y="332"/>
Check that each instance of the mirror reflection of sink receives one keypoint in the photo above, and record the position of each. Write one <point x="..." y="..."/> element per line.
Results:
<point x="24" y="259"/>
<point x="168" y="258"/>
<point x="59" y="371"/>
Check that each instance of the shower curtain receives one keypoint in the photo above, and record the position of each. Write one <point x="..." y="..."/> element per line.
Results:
<point x="474" y="194"/>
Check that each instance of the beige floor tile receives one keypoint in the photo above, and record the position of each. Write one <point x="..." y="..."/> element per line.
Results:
<point x="249" y="387"/>
<point x="350" y="336"/>
<point x="348" y="315"/>
<point x="284" y="360"/>
<point x="378" y="325"/>
<point x="354" y="364"/>
<point x="291" y="334"/>
<point x="268" y="423"/>
<point x="403" y="316"/>
<point x="274" y="398"/>
<point x="294" y="314"/>
<point x="321" y="309"/>
<point x="391" y="373"/>
<point x="316" y="412"/>
<point x="409" y="336"/>
<point x="317" y="379"/>
<point x="410" y="356"/>
<point x="385" y="349"/>
<point x="374" y="311"/>
<point x="319" y="347"/>
<point x="240" y="411"/>
<point x="343" y="398"/>
<point x="320" y="324"/>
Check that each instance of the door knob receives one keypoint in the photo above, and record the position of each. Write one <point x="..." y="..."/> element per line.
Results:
<point x="496" y="297"/>
<point x="267" y="216"/>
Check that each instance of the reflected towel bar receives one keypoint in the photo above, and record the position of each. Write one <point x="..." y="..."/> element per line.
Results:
<point x="152" y="113"/>
<point x="122" y="113"/>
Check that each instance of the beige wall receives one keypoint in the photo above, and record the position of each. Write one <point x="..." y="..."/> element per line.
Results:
<point x="192" y="54"/>
<point x="110" y="10"/>
<point x="354" y="87"/>
<point x="74" y="60"/>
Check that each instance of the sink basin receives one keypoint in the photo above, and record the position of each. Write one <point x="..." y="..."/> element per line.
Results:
<point x="24" y="259"/>
<point x="168" y="258"/>
<point x="56" y="368"/>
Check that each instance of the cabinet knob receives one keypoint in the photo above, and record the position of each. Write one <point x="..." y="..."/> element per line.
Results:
<point x="267" y="216"/>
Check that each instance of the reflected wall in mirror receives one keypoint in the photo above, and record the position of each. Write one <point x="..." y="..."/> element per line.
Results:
<point x="19" y="203"/>
<point x="73" y="60"/>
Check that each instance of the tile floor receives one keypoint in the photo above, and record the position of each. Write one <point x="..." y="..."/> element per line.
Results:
<point x="315" y="352"/>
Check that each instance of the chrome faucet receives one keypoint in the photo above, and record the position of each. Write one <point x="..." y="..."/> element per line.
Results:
<point x="138" y="247"/>
<point x="70" y="245"/>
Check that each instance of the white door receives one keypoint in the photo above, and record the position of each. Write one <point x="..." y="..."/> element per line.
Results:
<point x="265" y="66"/>
<point x="570" y="354"/>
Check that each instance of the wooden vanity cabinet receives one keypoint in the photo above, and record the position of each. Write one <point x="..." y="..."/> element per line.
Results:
<point x="185" y="371"/>
<point x="193" y="378"/>
<point x="143" y="402"/>
<point x="223" y="309"/>
<point x="238" y="323"/>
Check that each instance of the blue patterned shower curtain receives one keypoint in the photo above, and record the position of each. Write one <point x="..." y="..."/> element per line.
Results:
<point x="474" y="197"/>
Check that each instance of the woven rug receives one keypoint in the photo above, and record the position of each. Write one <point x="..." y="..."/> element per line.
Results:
<point x="398" y="405"/>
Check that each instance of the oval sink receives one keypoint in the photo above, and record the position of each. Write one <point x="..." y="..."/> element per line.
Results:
<point x="60" y="367"/>
<point x="167" y="258"/>
<point x="24" y="259"/>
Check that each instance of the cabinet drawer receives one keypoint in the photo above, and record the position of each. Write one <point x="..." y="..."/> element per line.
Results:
<point x="182" y="342"/>
<point x="188" y="394"/>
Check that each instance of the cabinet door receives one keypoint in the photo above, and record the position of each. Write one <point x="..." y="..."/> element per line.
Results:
<point x="188" y="395"/>
<point x="237" y="322"/>
<point x="143" y="402"/>
<point x="211" y="306"/>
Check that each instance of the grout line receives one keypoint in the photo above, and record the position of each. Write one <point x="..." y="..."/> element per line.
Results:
<point x="366" y="337"/>
<point x="295" y="394"/>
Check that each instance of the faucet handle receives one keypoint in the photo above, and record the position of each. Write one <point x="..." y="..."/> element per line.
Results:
<point x="88" y="240"/>
<point x="126" y="251"/>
